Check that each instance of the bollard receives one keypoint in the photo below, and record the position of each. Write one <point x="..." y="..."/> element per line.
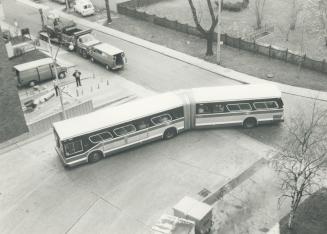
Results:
<point x="98" y="86"/>
<point x="107" y="82"/>
<point x="93" y="76"/>
<point x="77" y="93"/>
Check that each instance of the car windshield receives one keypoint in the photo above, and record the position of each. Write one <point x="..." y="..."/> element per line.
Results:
<point x="87" y="38"/>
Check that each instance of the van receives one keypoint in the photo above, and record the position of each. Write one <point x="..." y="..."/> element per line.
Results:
<point x="34" y="72"/>
<point x="111" y="57"/>
<point x="84" y="7"/>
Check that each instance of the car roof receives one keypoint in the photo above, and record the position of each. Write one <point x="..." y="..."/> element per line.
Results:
<point x="33" y="64"/>
<point x="109" y="49"/>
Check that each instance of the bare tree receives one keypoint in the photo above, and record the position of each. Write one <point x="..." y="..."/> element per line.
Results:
<point x="301" y="158"/>
<point x="109" y="20"/>
<point x="209" y="33"/>
<point x="259" y="11"/>
<point x="296" y="9"/>
<point x="323" y="17"/>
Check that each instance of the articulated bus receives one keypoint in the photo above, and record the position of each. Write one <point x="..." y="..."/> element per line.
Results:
<point x="91" y="137"/>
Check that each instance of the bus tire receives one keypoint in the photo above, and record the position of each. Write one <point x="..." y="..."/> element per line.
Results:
<point x="170" y="133"/>
<point x="250" y="122"/>
<point x="95" y="156"/>
<point x="62" y="75"/>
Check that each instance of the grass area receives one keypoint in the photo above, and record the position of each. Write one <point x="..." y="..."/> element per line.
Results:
<point x="311" y="217"/>
<point x="239" y="60"/>
<point x="276" y="13"/>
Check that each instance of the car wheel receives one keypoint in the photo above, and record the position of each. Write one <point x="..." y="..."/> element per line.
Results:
<point x="95" y="156"/>
<point x="92" y="59"/>
<point x="62" y="75"/>
<point x="250" y="123"/>
<point x="84" y="54"/>
<point x="108" y="67"/>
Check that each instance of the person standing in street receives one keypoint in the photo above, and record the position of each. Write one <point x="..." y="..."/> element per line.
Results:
<point x="56" y="86"/>
<point x="77" y="75"/>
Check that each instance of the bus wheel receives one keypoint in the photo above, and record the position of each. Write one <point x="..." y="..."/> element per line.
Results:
<point x="95" y="156"/>
<point x="250" y="123"/>
<point x="170" y="133"/>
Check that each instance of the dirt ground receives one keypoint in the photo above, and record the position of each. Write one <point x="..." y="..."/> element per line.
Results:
<point x="241" y="24"/>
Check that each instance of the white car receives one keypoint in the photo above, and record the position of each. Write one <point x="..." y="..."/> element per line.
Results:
<point x="84" y="7"/>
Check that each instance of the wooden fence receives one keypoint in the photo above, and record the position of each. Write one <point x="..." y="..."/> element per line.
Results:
<point x="129" y="8"/>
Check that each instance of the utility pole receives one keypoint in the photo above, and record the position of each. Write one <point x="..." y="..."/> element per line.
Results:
<point x="109" y="20"/>
<point x="67" y="5"/>
<point x="219" y="31"/>
<point x="54" y="64"/>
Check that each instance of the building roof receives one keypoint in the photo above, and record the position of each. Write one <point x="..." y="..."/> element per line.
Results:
<point x="109" y="49"/>
<point x="192" y="208"/>
<point x="33" y="64"/>
<point x="235" y="92"/>
<point x="112" y="116"/>
<point x="173" y="225"/>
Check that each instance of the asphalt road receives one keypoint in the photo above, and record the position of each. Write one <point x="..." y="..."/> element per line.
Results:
<point x="126" y="193"/>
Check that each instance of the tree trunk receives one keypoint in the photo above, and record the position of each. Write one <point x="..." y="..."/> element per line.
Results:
<point x="209" y="38"/>
<point x="290" y="219"/>
<point x="109" y="20"/>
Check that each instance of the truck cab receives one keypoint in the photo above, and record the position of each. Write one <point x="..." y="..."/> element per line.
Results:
<point x="84" y="44"/>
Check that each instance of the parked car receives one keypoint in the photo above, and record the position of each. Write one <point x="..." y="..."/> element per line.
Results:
<point x="34" y="72"/>
<point x="84" y="7"/>
<point x="110" y="56"/>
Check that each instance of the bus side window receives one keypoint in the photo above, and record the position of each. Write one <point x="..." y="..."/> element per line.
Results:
<point x="218" y="108"/>
<point x="161" y="119"/>
<point x="177" y="113"/>
<point x="272" y="105"/>
<point x="259" y="105"/>
<point x="122" y="131"/>
<point x="233" y="107"/>
<point x="245" y="106"/>
<point x="141" y="124"/>
<point x="203" y="109"/>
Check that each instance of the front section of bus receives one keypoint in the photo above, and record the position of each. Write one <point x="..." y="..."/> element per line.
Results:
<point x="64" y="149"/>
<point x="59" y="147"/>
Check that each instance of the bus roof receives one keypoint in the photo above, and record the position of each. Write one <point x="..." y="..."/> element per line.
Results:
<point x="33" y="64"/>
<point x="112" y="116"/>
<point x="235" y="92"/>
<point x="109" y="49"/>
